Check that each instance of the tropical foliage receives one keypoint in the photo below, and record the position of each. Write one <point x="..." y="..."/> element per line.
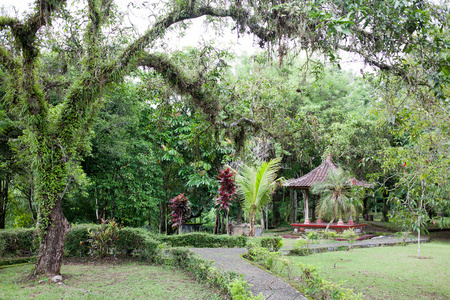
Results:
<point x="255" y="185"/>
<point x="227" y="192"/>
<point x="181" y="208"/>
<point x="337" y="196"/>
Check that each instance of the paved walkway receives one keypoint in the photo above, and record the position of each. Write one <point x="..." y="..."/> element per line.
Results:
<point x="261" y="281"/>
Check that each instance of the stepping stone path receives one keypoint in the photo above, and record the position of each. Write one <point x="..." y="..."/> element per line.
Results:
<point x="261" y="281"/>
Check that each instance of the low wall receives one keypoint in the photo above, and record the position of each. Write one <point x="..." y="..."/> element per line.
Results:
<point x="301" y="227"/>
<point x="242" y="230"/>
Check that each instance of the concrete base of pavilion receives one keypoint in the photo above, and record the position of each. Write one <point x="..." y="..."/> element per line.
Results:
<point x="338" y="227"/>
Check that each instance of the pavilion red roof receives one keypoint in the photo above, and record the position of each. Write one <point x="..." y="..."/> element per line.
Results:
<point x="318" y="175"/>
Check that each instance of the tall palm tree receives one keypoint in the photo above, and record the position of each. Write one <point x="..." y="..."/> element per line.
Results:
<point x="255" y="184"/>
<point x="337" y="195"/>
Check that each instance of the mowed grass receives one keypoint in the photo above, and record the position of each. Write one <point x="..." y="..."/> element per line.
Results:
<point x="392" y="272"/>
<point x="128" y="280"/>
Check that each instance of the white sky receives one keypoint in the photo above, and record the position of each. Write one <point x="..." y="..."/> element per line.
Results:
<point x="196" y="34"/>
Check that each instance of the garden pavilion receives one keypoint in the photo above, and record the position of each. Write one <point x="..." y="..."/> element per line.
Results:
<point x="317" y="175"/>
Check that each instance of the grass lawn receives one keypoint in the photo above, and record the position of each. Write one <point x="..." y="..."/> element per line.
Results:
<point x="128" y="280"/>
<point x="388" y="272"/>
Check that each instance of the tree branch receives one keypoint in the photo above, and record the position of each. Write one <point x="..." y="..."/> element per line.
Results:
<point x="6" y="21"/>
<point x="185" y="85"/>
<point x="81" y="96"/>
<point x="92" y="35"/>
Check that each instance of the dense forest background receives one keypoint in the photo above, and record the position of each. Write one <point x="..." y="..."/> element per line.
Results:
<point x="149" y="143"/>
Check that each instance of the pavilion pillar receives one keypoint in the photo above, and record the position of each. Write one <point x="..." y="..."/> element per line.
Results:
<point x="306" y="207"/>
<point x="295" y="206"/>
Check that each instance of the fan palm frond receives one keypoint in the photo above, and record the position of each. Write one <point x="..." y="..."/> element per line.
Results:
<point x="337" y="195"/>
<point x="255" y="185"/>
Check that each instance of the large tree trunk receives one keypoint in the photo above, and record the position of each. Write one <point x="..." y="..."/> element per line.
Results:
<point x="4" y="187"/>
<point x="217" y="223"/>
<point x="162" y="217"/>
<point x="277" y="199"/>
<point x="295" y="206"/>
<point x="51" y="250"/>
<point x="385" y="210"/>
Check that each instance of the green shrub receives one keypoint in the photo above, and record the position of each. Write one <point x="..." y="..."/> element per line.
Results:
<point x="273" y="243"/>
<point x="203" y="240"/>
<point x="77" y="243"/>
<point x="321" y="288"/>
<point x="102" y="240"/>
<point x="19" y="241"/>
<point x="2" y="247"/>
<point x="313" y="235"/>
<point x="301" y="247"/>
<point x="350" y="236"/>
<point x="239" y="291"/>
<point x="328" y="234"/>
<point x="128" y="241"/>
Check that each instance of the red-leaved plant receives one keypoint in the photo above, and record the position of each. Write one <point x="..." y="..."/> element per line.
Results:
<point x="181" y="208"/>
<point x="227" y="191"/>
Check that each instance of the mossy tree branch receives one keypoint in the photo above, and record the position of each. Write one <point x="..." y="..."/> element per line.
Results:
<point x="88" y="88"/>
<point x="8" y="22"/>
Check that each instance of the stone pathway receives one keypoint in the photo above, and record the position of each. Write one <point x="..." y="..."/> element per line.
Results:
<point x="261" y="281"/>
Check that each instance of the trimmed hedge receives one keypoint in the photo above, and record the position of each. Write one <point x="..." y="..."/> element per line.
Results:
<point x="137" y="242"/>
<point x="130" y="241"/>
<point x="77" y="243"/>
<point x="203" y="240"/>
<point x="18" y="242"/>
